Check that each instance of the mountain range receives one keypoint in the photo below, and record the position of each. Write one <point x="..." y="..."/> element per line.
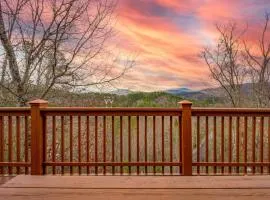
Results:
<point x="183" y="92"/>
<point x="215" y="92"/>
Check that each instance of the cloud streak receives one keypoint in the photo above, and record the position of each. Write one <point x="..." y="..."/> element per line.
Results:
<point x="169" y="35"/>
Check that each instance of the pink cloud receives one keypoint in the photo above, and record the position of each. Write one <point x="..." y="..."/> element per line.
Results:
<point x="168" y="48"/>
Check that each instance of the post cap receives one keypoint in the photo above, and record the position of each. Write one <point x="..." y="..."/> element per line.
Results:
<point x="38" y="102"/>
<point x="185" y="103"/>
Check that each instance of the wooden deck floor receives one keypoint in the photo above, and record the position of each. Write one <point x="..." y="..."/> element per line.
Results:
<point x="4" y="179"/>
<point x="132" y="187"/>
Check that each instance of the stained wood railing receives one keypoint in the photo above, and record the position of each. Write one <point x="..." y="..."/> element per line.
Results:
<point x="112" y="140"/>
<point x="231" y="141"/>
<point x="134" y="141"/>
<point x="15" y="142"/>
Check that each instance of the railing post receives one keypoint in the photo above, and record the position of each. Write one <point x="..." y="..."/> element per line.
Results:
<point x="186" y="139"/>
<point x="37" y="137"/>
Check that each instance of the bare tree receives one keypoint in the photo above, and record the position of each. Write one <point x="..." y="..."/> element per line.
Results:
<point x="50" y="44"/>
<point x="258" y="59"/>
<point x="225" y="62"/>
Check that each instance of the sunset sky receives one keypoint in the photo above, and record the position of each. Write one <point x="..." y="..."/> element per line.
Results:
<point x="166" y="36"/>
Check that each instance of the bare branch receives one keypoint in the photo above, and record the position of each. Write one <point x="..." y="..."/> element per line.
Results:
<point x="54" y="43"/>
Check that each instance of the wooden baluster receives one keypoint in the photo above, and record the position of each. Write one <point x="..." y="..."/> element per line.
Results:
<point x="71" y="141"/>
<point x="121" y="143"/>
<point x="145" y="142"/>
<point x="237" y="142"/>
<point x="87" y="124"/>
<point x="245" y="140"/>
<point x="206" y="142"/>
<point x="215" y="143"/>
<point x="104" y="143"/>
<point x="18" y="135"/>
<point x="53" y="142"/>
<point x="269" y="143"/>
<point x="253" y="142"/>
<point x="96" y="144"/>
<point x="198" y="143"/>
<point x="162" y="143"/>
<point x="261" y="141"/>
<point x="26" y="169"/>
<point x="138" y="143"/>
<point x="79" y="143"/>
<point x="154" y="142"/>
<point x="62" y="144"/>
<point x="10" y="144"/>
<point x="45" y="145"/>
<point x="230" y="143"/>
<point x="222" y="143"/>
<point x="129" y="144"/>
<point x="113" y="135"/>
<point x="1" y="143"/>
<point x="180" y="143"/>
<point x="171" y="145"/>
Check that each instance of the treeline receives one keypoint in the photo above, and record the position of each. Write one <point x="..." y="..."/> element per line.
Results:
<point x="133" y="99"/>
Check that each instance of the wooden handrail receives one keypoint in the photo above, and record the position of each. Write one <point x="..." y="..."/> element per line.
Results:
<point x="61" y="111"/>
<point x="116" y="109"/>
<point x="15" y="109"/>
<point x="11" y="111"/>
<point x="230" y="111"/>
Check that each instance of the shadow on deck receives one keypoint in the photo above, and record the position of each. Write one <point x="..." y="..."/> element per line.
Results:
<point x="4" y="179"/>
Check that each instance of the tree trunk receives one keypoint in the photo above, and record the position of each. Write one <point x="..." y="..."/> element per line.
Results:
<point x="22" y="101"/>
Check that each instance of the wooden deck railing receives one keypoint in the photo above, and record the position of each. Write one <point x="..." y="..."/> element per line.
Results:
<point x="111" y="140"/>
<point x="235" y="141"/>
<point x="15" y="140"/>
<point x="135" y="141"/>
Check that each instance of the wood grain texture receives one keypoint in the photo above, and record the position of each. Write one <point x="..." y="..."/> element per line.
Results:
<point x="131" y="187"/>
<point x="133" y="194"/>
<point x="143" y="182"/>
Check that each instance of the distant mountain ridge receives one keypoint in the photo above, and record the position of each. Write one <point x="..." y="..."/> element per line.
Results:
<point x="185" y="92"/>
<point x="180" y="91"/>
<point x="216" y="92"/>
<point x="188" y="93"/>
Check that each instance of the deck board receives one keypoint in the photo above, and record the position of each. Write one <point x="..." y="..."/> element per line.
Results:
<point x="132" y="187"/>
<point x="4" y="179"/>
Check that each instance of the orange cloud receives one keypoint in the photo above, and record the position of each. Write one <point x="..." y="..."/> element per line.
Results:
<point x="170" y="34"/>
